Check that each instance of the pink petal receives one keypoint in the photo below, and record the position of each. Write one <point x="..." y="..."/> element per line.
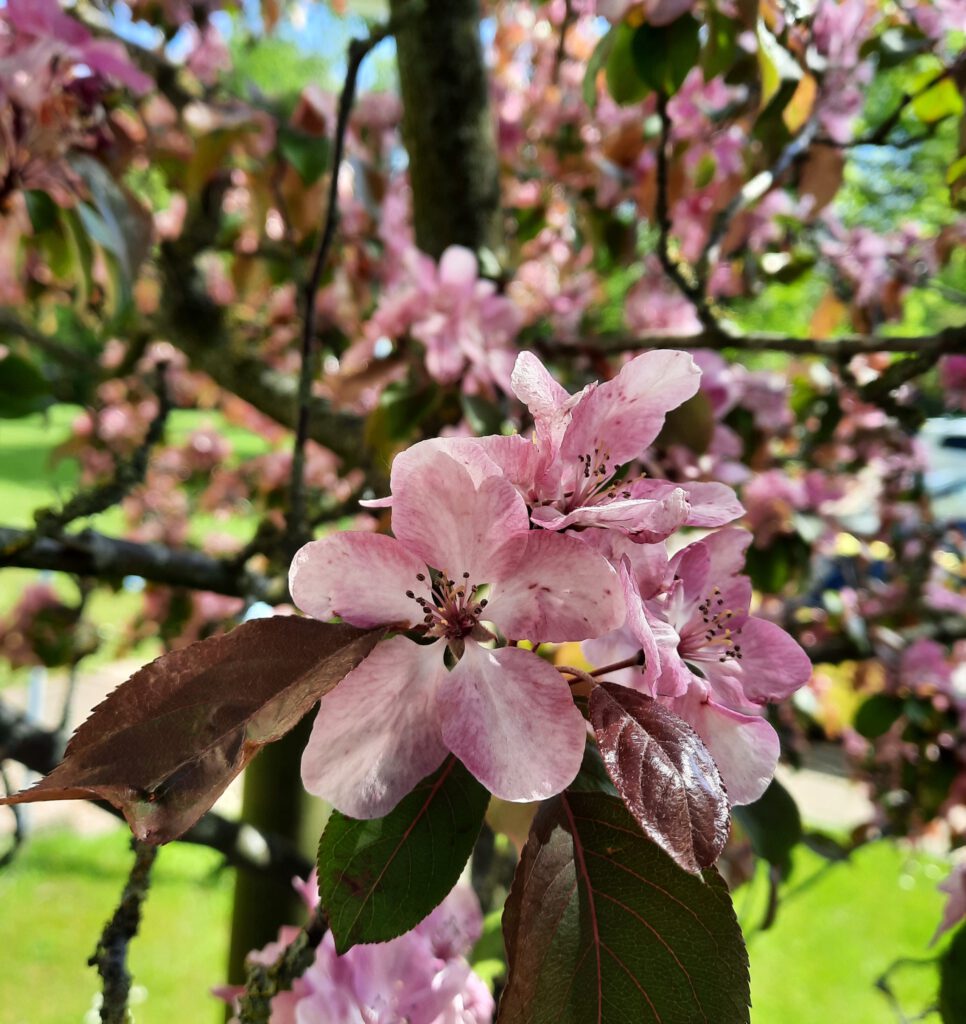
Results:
<point x="561" y="590"/>
<point x="521" y="460"/>
<point x="361" y="577"/>
<point x="744" y="747"/>
<point x="773" y="665"/>
<point x="712" y="504"/>
<point x="441" y="516"/>
<point x="469" y="452"/>
<point x="643" y="520"/>
<point x="539" y="392"/>
<point x="377" y="733"/>
<point x="624" y="415"/>
<point x="509" y="717"/>
<point x="726" y="549"/>
<point x="649" y="562"/>
<point x="458" y="267"/>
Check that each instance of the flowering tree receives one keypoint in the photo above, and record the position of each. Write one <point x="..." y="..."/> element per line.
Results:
<point x="589" y="364"/>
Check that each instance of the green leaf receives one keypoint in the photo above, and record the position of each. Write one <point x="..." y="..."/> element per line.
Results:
<point x="952" y="980"/>
<point x="601" y="926"/>
<point x="379" y="878"/>
<point x="877" y="715"/>
<point x="780" y="73"/>
<point x="483" y="416"/>
<point x="691" y="424"/>
<point x="598" y="60"/>
<point x="308" y="154"/>
<point x="942" y="100"/>
<point x="721" y="45"/>
<point x="773" y="824"/>
<point x="623" y="82"/>
<point x="664" y="54"/>
<point x="23" y="388"/>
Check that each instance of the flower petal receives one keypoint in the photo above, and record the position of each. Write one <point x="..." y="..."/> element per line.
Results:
<point x="458" y="267"/>
<point x="509" y="717"/>
<point x="539" y="392"/>
<point x="453" y="523"/>
<point x="712" y="504"/>
<point x="772" y="667"/>
<point x="560" y="590"/>
<point x="377" y="733"/>
<point x="361" y="577"/>
<point x="622" y="416"/>
<point x="646" y="521"/>
<point x="744" y="747"/>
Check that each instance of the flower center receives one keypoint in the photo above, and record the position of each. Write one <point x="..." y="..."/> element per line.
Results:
<point x="593" y="482"/>
<point x="713" y="637"/>
<point x="454" y="611"/>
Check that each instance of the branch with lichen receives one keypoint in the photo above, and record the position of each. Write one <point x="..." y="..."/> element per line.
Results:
<point x="110" y="957"/>
<point x="264" y="981"/>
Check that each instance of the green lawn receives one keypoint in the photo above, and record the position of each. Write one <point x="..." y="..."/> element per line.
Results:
<point x="56" y="897"/>
<point x="817" y="965"/>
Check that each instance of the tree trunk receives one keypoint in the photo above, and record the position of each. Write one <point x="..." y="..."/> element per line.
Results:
<point x="447" y="125"/>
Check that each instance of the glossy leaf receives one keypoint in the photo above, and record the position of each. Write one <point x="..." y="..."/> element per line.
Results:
<point x="598" y="61"/>
<point x="877" y="715"/>
<point x="664" y="54"/>
<point x="664" y="773"/>
<point x="623" y="82"/>
<point x="165" y="744"/>
<point x="308" y="154"/>
<point x="779" y="72"/>
<point x="773" y="824"/>
<point x="380" y="878"/>
<point x="601" y="927"/>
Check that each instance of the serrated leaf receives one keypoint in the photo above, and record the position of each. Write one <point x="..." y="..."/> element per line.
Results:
<point x="165" y="744"/>
<point x="23" y="388"/>
<point x="773" y="824"/>
<point x="380" y="878"/>
<point x="603" y="927"/>
<point x="952" y="980"/>
<point x="664" y="773"/>
<point x="664" y="54"/>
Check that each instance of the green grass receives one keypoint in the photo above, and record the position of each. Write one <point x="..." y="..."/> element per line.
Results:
<point x="56" y="898"/>
<point x="837" y="930"/>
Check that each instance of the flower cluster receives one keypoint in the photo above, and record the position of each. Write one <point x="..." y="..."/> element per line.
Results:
<point x="504" y="543"/>
<point x="422" y="977"/>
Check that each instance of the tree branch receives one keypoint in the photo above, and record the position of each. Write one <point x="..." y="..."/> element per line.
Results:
<point x="110" y="957"/>
<point x="264" y="982"/>
<point x="951" y="339"/>
<point x="89" y="553"/>
<point x="296" y="527"/>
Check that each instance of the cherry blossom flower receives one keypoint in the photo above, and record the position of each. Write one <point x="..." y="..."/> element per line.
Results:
<point x="704" y="655"/>
<point x="462" y="556"/>
<point x="422" y="977"/>
<point x="567" y="472"/>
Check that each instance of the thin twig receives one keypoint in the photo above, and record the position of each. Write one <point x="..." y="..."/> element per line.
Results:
<point x="19" y="826"/>
<point x="680" y="273"/>
<point x="751" y="193"/>
<point x="358" y="51"/>
<point x="264" y="982"/>
<point x="110" y="957"/>
<point x="566" y="22"/>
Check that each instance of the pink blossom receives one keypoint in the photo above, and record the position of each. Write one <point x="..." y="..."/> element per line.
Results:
<point x="422" y="977"/>
<point x="567" y="471"/>
<point x="657" y="12"/>
<point x="465" y="326"/>
<point x="705" y="656"/>
<point x="952" y="377"/>
<point x="504" y="712"/>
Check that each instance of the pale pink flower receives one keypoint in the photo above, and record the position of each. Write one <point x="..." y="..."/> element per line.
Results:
<point x="704" y="655"/>
<point x="461" y="531"/>
<point x="566" y="472"/>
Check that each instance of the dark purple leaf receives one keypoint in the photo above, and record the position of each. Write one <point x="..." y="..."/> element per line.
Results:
<point x="601" y="927"/>
<point x="165" y="744"/>
<point x="664" y="774"/>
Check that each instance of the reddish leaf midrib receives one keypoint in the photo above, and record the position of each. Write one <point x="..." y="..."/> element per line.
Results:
<point x="585" y="874"/>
